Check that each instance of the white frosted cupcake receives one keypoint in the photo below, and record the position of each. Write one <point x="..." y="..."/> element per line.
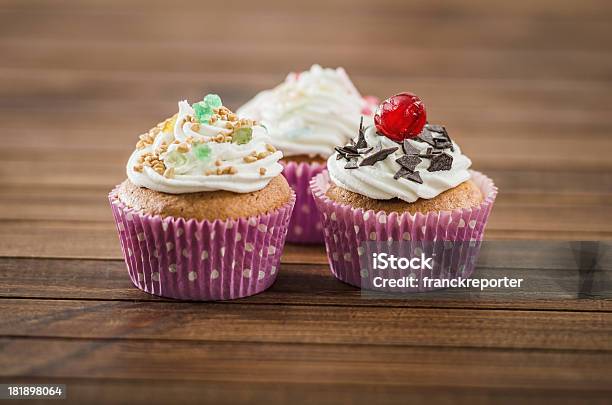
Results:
<point x="204" y="211"/>
<point x="308" y="115"/>
<point x="402" y="180"/>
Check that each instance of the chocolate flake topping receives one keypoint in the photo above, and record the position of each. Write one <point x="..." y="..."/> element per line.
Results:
<point x="361" y="141"/>
<point x="377" y="156"/>
<point x="443" y="143"/>
<point x="408" y="175"/>
<point x="435" y="136"/>
<point x="352" y="164"/>
<point x="437" y="128"/>
<point x="347" y="152"/>
<point x="429" y="153"/>
<point x="443" y="161"/>
<point x="426" y="137"/>
<point x="409" y="162"/>
<point x="409" y="149"/>
<point x="350" y="148"/>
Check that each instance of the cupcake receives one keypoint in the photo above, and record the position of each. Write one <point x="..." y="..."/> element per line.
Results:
<point x="402" y="182"/>
<point x="307" y="116"/>
<point x="204" y="211"/>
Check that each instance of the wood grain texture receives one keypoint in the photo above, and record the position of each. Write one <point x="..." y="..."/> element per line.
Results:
<point x="524" y="87"/>
<point x="555" y="283"/>
<point x="100" y="390"/>
<point x="307" y="324"/>
<point x="396" y="366"/>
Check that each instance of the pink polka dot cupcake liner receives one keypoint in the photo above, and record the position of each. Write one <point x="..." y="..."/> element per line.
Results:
<point x="456" y="234"/>
<point x="305" y="226"/>
<point x="201" y="260"/>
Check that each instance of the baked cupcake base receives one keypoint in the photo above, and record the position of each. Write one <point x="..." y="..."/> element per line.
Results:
<point x="201" y="259"/>
<point x="466" y="194"/>
<point x="206" y="205"/>
<point x="347" y="229"/>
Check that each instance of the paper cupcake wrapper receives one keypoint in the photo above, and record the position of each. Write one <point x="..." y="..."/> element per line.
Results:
<point x="305" y="226"/>
<point x="201" y="260"/>
<point x="346" y="229"/>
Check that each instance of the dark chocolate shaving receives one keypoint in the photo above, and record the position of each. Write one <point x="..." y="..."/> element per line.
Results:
<point x="426" y="137"/>
<point x="377" y="156"/>
<point x="436" y="136"/>
<point x="442" y="143"/>
<point x="409" y="162"/>
<point x="340" y="151"/>
<point x="429" y="153"/>
<point x="350" y="149"/>
<point x="347" y="152"/>
<point x="361" y="141"/>
<point x="443" y="161"/>
<point x="409" y="149"/>
<point x="408" y="175"/>
<point x="437" y="128"/>
<point x="351" y="164"/>
<point x="401" y="173"/>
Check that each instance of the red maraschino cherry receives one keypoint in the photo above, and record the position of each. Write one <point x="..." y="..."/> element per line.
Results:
<point x="400" y="117"/>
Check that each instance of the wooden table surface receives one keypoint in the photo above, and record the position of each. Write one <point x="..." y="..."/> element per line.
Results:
<point x="525" y="88"/>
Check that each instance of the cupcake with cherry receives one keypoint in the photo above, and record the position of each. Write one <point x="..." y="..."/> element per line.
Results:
<point x="400" y="179"/>
<point x="307" y="116"/>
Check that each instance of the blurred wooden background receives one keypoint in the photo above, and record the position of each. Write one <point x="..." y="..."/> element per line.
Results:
<point x="524" y="86"/>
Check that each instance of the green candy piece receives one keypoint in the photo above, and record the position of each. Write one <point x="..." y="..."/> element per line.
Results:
<point x="242" y="135"/>
<point x="202" y="151"/>
<point x="213" y="100"/>
<point x="203" y="111"/>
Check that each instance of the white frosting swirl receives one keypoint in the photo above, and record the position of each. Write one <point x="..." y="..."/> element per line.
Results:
<point x="377" y="181"/>
<point x="190" y="172"/>
<point x="310" y="112"/>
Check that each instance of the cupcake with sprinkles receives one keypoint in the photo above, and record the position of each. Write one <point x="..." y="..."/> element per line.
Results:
<point x="203" y="213"/>
<point x="401" y="179"/>
<point x="307" y="116"/>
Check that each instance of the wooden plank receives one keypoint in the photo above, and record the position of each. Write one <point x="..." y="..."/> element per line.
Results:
<point x="255" y="28"/>
<point x="371" y="326"/>
<point x="387" y="367"/>
<point x="67" y="85"/>
<point x="482" y="118"/>
<point x="545" y="9"/>
<point x="409" y="61"/>
<point x="554" y="285"/>
<point x="139" y="391"/>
